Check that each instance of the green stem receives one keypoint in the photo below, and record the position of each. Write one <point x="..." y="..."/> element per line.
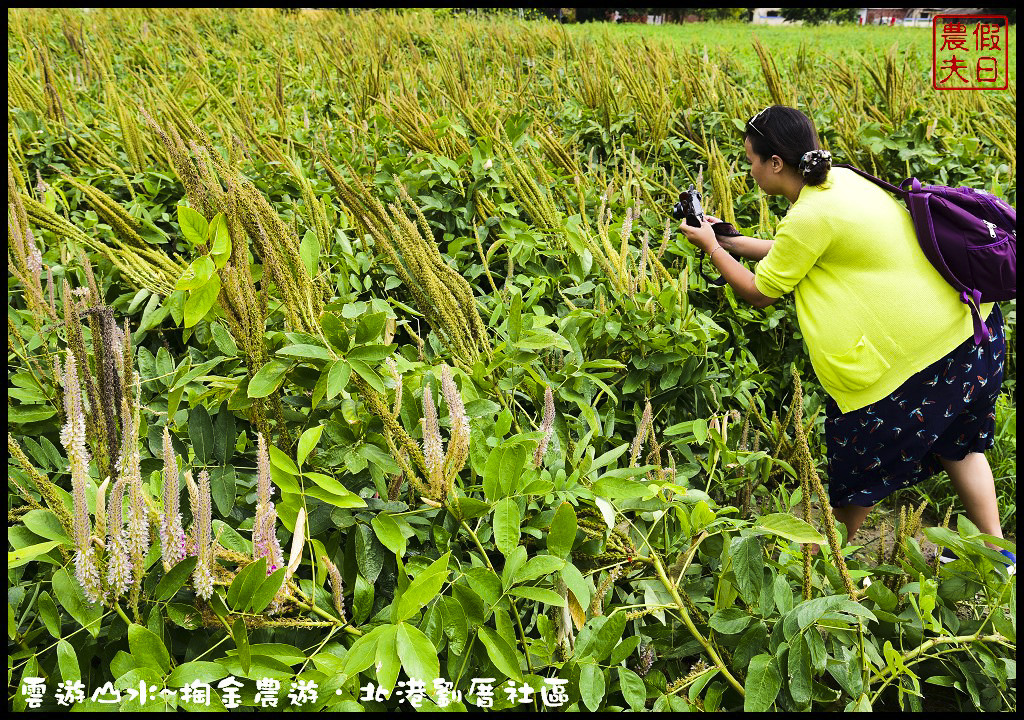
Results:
<point x="925" y="647"/>
<point x="117" y="607"/>
<point x="519" y="624"/>
<point x="691" y="627"/>
<point x="324" y="614"/>
<point x="465" y="658"/>
<point x="928" y="646"/>
<point x="212" y="648"/>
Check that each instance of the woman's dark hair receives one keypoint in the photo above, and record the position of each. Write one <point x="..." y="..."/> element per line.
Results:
<point x="788" y="133"/>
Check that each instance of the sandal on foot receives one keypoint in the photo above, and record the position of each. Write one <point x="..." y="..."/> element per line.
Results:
<point x="949" y="556"/>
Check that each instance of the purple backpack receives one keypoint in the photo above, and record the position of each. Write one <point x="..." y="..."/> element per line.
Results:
<point x="970" y="236"/>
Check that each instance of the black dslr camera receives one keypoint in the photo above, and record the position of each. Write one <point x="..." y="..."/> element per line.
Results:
<point x="689" y="208"/>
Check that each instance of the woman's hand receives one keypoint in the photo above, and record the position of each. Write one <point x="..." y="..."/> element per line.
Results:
<point x="703" y="237"/>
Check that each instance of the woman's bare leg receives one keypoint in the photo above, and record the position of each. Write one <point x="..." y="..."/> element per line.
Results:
<point x="972" y="478"/>
<point x="852" y="516"/>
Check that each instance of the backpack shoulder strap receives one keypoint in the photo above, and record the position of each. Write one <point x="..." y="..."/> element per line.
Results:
<point x="881" y="183"/>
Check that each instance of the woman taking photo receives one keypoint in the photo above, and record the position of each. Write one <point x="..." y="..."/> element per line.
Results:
<point x="910" y="393"/>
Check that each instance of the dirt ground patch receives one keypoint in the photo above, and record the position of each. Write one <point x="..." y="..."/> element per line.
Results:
<point x="885" y="519"/>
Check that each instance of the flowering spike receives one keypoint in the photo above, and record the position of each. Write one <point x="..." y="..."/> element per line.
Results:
<point x="336" y="587"/>
<point x="641" y="433"/>
<point x="458" y="443"/>
<point x="172" y="537"/>
<point x="138" y="515"/>
<point x="264" y="526"/>
<point x="72" y="437"/>
<point x="433" y="453"/>
<point x="264" y="488"/>
<point x="191" y="544"/>
<point x="202" y="531"/>
<point x="119" y="567"/>
<point x="547" y="426"/>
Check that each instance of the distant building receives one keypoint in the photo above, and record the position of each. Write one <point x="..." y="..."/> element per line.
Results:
<point x="909" y="17"/>
<point x="912" y="17"/>
<point x="767" y="16"/>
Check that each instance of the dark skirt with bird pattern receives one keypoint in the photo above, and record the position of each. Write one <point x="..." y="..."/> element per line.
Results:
<point x="947" y="410"/>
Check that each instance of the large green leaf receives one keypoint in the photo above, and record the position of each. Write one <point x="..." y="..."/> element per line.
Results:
<point x="361" y="655"/>
<point x="200" y="432"/>
<point x="563" y="530"/>
<point x="29" y="413"/>
<point x="454" y="623"/>
<point x="45" y="524"/>
<point x="69" y="594"/>
<point x="614" y="488"/>
<point x="201" y="670"/>
<point x="308" y="441"/>
<point x="386" y="658"/>
<point x="224" y="436"/>
<point x="175" y="579"/>
<point x="389" y="533"/>
<point x="230" y="538"/>
<point x="503" y="470"/>
<point x="220" y="240"/>
<point x="789" y="527"/>
<point x="309" y="252"/>
<point x="608" y="458"/>
<point x="506" y="525"/>
<point x="282" y="462"/>
<point x="417" y="653"/>
<point x="633" y="689"/>
<point x="592" y="685"/>
<point x="515" y="307"/>
<point x="249" y="578"/>
<point x="148" y="649"/>
<point x="222" y="488"/>
<point x="370" y="353"/>
<point x="423" y="588"/>
<point x="762" y="685"/>
<point x="338" y="374"/>
<point x="606" y="638"/>
<point x="288" y="654"/>
<point x="305" y="352"/>
<point x="200" y="300"/>
<point x="538" y="566"/>
<point x="501" y="653"/>
<point x="268" y="378"/>
<point x="799" y="666"/>
<point x="19" y="557"/>
<point x="241" y="638"/>
<point x="549" y="597"/>
<point x="267" y="590"/>
<point x="48" y="613"/>
<point x="369" y="375"/>
<point x="512" y="464"/>
<point x="67" y="661"/>
<point x="197" y="274"/>
<point x="327" y="489"/>
<point x="575" y="581"/>
<point x="223" y="340"/>
<point x="370" y="326"/>
<point x="811" y="611"/>
<point x="730" y="621"/>
<point x="193" y="226"/>
<point x="369" y="554"/>
<point x="748" y="566"/>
